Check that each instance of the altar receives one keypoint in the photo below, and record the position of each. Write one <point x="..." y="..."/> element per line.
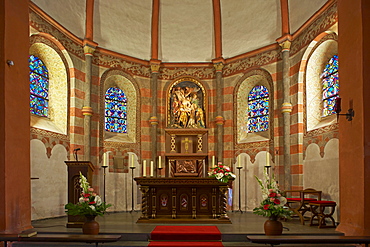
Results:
<point x="183" y="200"/>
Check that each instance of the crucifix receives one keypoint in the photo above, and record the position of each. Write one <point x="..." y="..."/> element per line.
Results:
<point x="186" y="145"/>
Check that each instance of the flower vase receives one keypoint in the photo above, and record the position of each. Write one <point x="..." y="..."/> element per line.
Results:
<point x="90" y="226"/>
<point x="273" y="226"/>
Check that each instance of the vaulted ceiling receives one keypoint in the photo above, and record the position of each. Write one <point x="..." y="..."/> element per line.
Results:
<point x="186" y="28"/>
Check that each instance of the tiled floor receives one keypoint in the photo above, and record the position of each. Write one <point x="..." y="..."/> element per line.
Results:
<point x="137" y="234"/>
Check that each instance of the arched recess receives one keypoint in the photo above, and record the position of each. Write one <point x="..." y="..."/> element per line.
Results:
<point x="117" y="78"/>
<point x="49" y="50"/>
<point x="187" y="93"/>
<point x="313" y="63"/>
<point x="244" y="86"/>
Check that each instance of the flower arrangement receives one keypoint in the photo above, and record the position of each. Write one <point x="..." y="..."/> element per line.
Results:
<point x="273" y="203"/>
<point x="222" y="173"/>
<point x="89" y="203"/>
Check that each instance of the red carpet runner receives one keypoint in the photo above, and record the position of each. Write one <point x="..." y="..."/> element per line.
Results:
<point x="194" y="236"/>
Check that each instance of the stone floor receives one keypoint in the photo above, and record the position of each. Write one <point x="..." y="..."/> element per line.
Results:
<point x="137" y="234"/>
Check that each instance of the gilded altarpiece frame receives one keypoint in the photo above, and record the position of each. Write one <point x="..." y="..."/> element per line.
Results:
<point x="186" y="133"/>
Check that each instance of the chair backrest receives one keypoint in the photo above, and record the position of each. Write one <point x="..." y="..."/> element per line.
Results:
<point x="312" y="193"/>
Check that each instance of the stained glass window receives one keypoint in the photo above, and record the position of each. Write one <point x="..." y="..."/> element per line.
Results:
<point x="258" y="109"/>
<point x="39" y="87"/>
<point x="115" y="110"/>
<point x="330" y="86"/>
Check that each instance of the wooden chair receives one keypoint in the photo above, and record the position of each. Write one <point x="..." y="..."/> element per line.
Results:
<point x="298" y="201"/>
<point x="319" y="214"/>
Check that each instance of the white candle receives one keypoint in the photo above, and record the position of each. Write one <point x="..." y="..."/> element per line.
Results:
<point x="132" y="160"/>
<point x="267" y="159"/>
<point x="239" y="161"/>
<point x="213" y="161"/>
<point x="105" y="160"/>
<point x="151" y="168"/>
<point x="144" y="168"/>
<point x="159" y="162"/>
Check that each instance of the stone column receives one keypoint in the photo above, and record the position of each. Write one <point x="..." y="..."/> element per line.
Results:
<point x="219" y="118"/>
<point x="286" y="109"/>
<point x="86" y="109"/>
<point x="153" y="119"/>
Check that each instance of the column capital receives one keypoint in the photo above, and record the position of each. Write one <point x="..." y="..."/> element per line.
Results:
<point x="286" y="107"/>
<point x="89" y="47"/>
<point x="218" y="66"/>
<point x="87" y="111"/>
<point x="285" y="42"/>
<point x="155" y="65"/>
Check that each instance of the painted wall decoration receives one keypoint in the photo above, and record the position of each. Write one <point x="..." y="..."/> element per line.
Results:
<point x="186" y="104"/>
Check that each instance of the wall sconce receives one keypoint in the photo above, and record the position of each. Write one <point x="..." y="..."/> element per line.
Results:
<point x="337" y="108"/>
<point x="10" y="62"/>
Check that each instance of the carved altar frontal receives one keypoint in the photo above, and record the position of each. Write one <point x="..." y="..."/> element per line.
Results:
<point x="183" y="200"/>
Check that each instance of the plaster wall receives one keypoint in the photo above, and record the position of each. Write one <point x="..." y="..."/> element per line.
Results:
<point x="49" y="188"/>
<point x="322" y="173"/>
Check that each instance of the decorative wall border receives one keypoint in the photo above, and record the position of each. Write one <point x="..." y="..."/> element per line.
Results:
<point x="321" y="137"/>
<point x="50" y="139"/>
<point x="322" y="23"/>
<point x="39" y="22"/>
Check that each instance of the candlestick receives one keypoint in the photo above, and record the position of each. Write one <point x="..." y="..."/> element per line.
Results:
<point x="159" y="162"/>
<point x="151" y="168"/>
<point x="267" y="159"/>
<point x="132" y="188"/>
<point x="144" y="168"/>
<point x="213" y="161"/>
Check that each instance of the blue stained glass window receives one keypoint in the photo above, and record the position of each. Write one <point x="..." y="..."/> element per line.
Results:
<point x="39" y="87"/>
<point x="258" y="109"/>
<point x="115" y="110"/>
<point x="330" y="86"/>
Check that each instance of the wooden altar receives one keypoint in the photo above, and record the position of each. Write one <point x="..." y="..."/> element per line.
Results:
<point x="183" y="200"/>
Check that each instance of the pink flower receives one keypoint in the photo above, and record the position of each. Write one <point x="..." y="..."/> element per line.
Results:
<point x="266" y="207"/>
<point x="90" y="189"/>
<point x="272" y="199"/>
<point x="271" y="190"/>
<point x="278" y="195"/>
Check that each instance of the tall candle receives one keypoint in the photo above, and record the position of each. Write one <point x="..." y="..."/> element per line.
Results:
<point x="159" y="162"/>
<point x="151" y="168"/>
<point x="267" y="159"/>
<point x="144" y="168"/>
<point x="239" y="161"/>
<point x="132" y="160"/>
<point x="105" y="161"/>
<point x="213" y="161"/>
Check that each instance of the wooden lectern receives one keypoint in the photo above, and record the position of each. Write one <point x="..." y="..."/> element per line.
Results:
<point x="74" y="190"/>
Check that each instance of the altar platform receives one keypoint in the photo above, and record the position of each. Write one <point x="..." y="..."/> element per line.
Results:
<point x="137" y="234"/>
